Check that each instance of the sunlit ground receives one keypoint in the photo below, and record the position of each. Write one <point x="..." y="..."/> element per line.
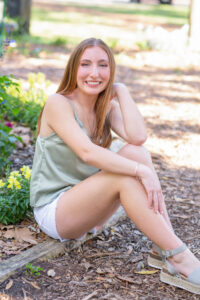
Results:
<point x="173" y="107"/>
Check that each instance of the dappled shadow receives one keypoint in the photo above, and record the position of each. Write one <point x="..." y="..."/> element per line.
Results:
<point x="23" y="72"/>
<point x="167" y="97"/>
<point x="160" y="88"/>
<point x="173" y="130"/>
<point x="190" y="83"/>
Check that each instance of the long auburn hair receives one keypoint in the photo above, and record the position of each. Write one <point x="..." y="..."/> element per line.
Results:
<point x="102" y="134"/>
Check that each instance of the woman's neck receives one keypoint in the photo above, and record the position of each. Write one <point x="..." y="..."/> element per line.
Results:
<point x="87" y="102"/>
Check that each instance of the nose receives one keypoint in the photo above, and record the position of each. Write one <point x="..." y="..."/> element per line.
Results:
<point x="94" y="71"/>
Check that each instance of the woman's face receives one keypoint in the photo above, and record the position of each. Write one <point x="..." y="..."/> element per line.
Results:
<point x="94" y="71"/>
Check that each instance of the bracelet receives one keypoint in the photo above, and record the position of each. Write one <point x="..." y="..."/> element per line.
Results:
<point x="136" y="168"/>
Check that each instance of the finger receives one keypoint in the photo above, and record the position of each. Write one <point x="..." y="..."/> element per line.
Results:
<point x="155" y="202"/>
<point x="160" y="203"/>
<point x="150" y="199"/>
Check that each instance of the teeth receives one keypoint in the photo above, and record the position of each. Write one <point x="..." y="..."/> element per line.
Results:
<point x="93" y="82"/>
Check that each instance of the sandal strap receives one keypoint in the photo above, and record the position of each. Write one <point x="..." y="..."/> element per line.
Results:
<point x="168" y="253"/>
<point x="171" y="269"/>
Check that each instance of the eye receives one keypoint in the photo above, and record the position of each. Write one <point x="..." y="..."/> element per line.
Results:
<point x="84" y="64"/>
<point x="103" y="65"/>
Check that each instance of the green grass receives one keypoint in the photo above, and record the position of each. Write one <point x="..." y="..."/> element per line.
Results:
<point x="168" y="12"/>
<point x="68" y="27"/>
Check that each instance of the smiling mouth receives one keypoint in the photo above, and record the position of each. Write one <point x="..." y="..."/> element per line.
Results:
<point x="93" y="83"/>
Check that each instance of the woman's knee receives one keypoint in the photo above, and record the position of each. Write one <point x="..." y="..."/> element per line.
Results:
<point x="138" y="153"/>
<point x="128" y="181"/>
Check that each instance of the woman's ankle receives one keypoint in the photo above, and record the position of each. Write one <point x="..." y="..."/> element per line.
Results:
<point x="185" y="262"/>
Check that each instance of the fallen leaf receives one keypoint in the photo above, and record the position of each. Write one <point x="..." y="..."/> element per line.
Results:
<point x="20" y="235"/>
<point x="100" y="278"/>
<point x="33" y="283"/>
<point x="9" y="284"/>
<point x="24" y="234"/>
<point x="146" y="272"/>
<point x="125" y="278"/>
<point x="9" y="234"/>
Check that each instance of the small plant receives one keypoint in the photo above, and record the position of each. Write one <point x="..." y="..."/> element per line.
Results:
<point x="7" y="145"/>
<point x="112" y="43"/>
<point x="32" y="270"/>
<point x="59" y="41"/>
<point x="14" y="196"/>
<point x="144" y="45"/>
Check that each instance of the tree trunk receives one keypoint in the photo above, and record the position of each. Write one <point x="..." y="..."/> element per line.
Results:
<point x="21" y="10"/>
<point x="194" y="32"/>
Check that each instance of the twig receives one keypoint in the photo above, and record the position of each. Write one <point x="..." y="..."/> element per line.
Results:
<point x="24" y="293"/>
<point x="197" y="251"/>
<point x="192" y="238"/>
<point x="102" y="254"/>
<point x="95" y="293"/>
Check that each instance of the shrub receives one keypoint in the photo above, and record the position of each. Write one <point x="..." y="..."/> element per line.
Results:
<point x="14" y="196"/>
<point x="24" y="106"/>
<point x="7" y="140"/>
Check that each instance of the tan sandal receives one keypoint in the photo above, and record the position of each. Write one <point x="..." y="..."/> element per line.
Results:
<point x="171" y="276"/>
<point x="155" y="259"/>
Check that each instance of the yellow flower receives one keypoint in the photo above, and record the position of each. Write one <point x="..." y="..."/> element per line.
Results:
<point x="13" y="182"/>
<point x="14" y="173"/>
<point x="17" y="185"/>
<point x="26" y="171"/>
<point x="2" y="183"/>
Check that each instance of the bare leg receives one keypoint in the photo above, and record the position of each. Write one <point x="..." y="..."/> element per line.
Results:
<point x="141" y="155"/>
<point x="87" y="203"/>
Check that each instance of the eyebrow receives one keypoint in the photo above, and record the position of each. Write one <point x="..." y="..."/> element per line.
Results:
<point x="101" y="60"/>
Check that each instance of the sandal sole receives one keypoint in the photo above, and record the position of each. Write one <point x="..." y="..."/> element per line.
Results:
<point x="179" y="282"/>
<point x="155" y="261"/>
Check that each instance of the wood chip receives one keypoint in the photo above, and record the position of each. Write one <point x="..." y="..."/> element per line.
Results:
<point x="9" y="285"/>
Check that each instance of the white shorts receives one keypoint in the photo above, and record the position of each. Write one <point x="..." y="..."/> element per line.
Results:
<point x="45" y="217"/>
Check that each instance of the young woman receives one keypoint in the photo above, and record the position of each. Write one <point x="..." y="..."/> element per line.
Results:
<point x="77" y="182"/>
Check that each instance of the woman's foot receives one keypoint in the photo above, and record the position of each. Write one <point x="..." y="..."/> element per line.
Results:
<point x="182" y="269"/>
<point x="185" y="262"/>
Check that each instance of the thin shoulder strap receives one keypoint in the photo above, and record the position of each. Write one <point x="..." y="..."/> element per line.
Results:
<point x="75" y="113"/>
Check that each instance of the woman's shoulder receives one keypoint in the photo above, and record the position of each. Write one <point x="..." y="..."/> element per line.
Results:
<point x="55" y="97"/>
<point x="57" y="101"/>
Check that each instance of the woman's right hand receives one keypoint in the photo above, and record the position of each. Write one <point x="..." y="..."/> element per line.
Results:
<point x="152" y="186"/>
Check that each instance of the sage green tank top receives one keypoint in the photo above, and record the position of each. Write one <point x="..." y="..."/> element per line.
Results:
<point x="56" y="168"/>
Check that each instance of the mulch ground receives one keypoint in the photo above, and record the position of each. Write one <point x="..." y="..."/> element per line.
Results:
<point x="106" y="267"/>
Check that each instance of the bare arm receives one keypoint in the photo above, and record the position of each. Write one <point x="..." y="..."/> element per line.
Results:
<point x="125" y="117"/>
<point x="60" y="118"/>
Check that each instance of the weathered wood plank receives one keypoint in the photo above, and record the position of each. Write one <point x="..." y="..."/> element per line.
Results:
<point x="9" y="266"/>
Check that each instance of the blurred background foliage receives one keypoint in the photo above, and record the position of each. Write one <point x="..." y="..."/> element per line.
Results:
<point x="65" y="23"/>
